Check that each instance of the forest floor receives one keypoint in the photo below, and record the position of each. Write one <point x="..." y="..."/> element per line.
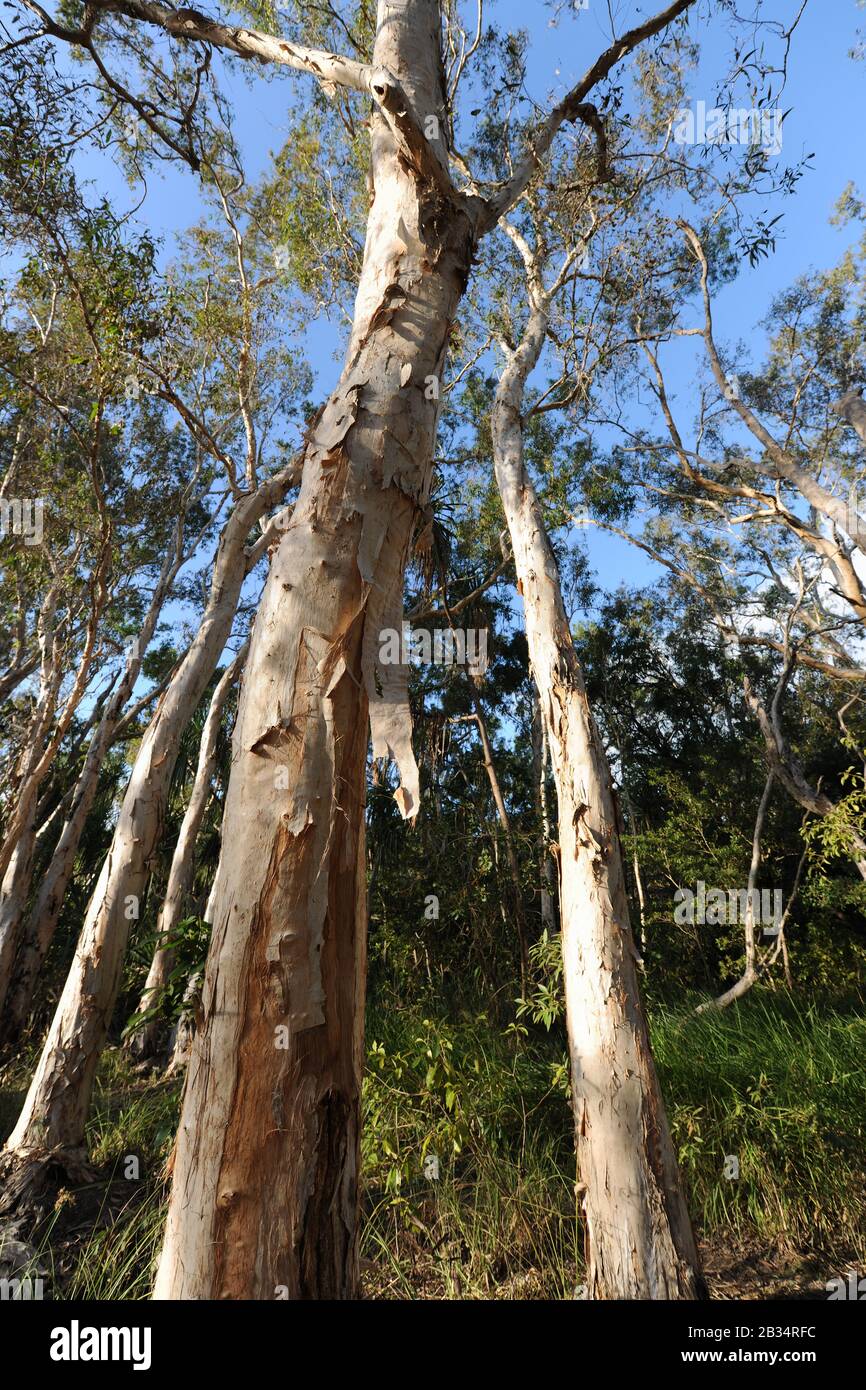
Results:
<point x="468" y="1159"/>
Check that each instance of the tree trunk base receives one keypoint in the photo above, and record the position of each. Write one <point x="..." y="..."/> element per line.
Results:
<point x="30" y="1181"/>
<point x="149" y="1043"/>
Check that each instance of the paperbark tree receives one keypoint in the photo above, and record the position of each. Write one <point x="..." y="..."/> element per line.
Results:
<point x="50" y="1128"/>
<point x="52" y="889"/>
<point x="828" y="516"/>
<point x="43" y="738"/>
<point x="184" y="372"/>
<point x="144" y="1040"/>
<point x="265" y="1182"/>
<point x="639" y="1240"/>
<point x="274" y="1077"/>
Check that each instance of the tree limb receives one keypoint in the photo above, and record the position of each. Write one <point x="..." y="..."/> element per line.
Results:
<point x="574" y="107"/>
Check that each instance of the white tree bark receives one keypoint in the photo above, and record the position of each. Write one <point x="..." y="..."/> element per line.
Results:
<point x="13" y="898"/>
<point x="750" y="971"/>
<point x="264" y="1196"/>
<point x="41" y="749"/>
<point x="145" y="1040"/>
<point x="639" y="1241"/>
<point x="265" y="1188"/>
<point x="45" y="913"/>
<point x="852" y="408"/>
<point x="55" y="1111"/>
<point x="16" y="875"/>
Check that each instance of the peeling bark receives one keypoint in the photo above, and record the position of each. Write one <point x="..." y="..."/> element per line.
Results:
<point x="144" y="1042"/>
<point x="264" y="1194"/>
<point x="639" y="1241"/>
<point x="57" y="1104"/>
<point x="265" y="1185"/>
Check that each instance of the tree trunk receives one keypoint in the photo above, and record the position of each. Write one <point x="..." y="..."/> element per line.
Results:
<point x="181" y="1042"/>
<point x="57" y="1104"/>
<point x="539" y="782"/>
<point x="510" y="850"/>
<point x="750" y="971"/>
<point x="45" y="913"/>
<point x="787" y="769"/>
<point x="144" y="1042"/>
<point x="639" y="1241"/>
<point x="17" y="866"/>
<point x="13" y="898"/>
<point x="265" y="1189"/>
<point x="635" y="863"/>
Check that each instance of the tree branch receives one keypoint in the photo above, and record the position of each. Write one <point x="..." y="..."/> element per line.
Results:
<point x="183" y="23"/>
<point x="574" y="107"/>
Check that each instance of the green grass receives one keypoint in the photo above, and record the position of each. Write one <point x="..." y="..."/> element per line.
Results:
<point x="490" y="1108"/>
<point x="118" y="1262"/>
<point x="783" y="1089"/>
<point x="780" y="1087"/>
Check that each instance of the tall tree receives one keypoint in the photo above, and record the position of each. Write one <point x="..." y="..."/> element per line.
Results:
<point x="274" y="1079"/>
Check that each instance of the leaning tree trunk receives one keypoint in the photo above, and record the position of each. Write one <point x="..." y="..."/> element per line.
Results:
<point x="144" y="1040"/>
<point x="639" y="1241"/>
<point x="13" y="898"/>
<point x="15" y="869"/>
<point x="264" y="1198"/>
<point x="51" y="1124"/>
<point x="750" y="971"/>
<point x="45" y="913"/>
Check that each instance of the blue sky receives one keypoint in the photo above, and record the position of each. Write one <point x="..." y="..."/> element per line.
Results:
<point x="825" y="91"/>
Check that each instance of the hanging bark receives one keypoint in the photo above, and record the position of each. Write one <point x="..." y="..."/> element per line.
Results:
<point x="288" y="909"/>
<point x="144" y="1041"/>
<point x="264" y="1193"/>
<point x="639" y="1241"/>
<point x="265" y="1187"/>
